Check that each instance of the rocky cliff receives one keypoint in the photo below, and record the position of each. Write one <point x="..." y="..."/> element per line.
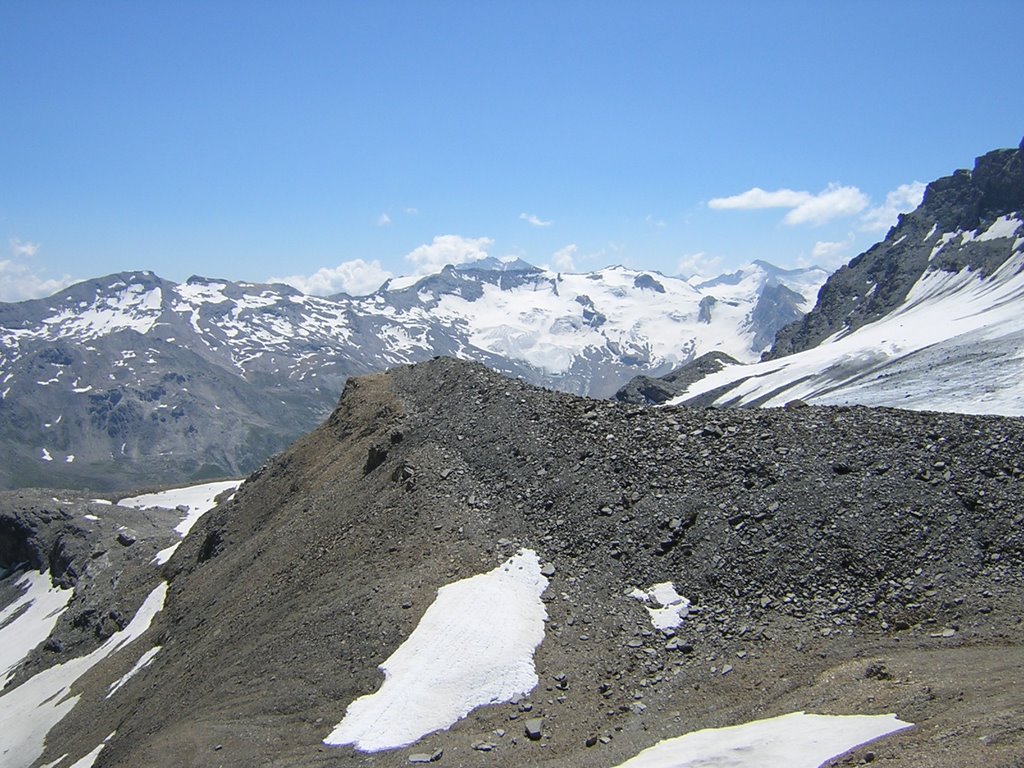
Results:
<point x="877" y="282"/>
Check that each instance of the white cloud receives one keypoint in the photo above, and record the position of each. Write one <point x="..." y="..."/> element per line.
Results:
<point x="23" y="249"/>
<point x="383" y="220"/>
<point x="412" y="211"/>
<point x="448" y="249"/>
<point x="563" y="258"/>
<point x="833" y="202"/>
<point x="534" y="221"/>
<point x="831" y="254"/>
<point x="356" y="277"/>
<point x="758" y="198"/>
<point x="699" y="265"/>
<point x="19" y="281"/>
<point x="654" y="222"/>
<point x="906" y="197"/>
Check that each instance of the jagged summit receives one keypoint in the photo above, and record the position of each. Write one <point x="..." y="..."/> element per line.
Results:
<point x="928" y="239"/>
<point x="928" y="318"/>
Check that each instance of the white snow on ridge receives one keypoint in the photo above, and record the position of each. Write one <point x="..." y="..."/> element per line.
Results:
<point x="666" y="606"/>
<point x="28" y="621"/>
<point x="134" y="308"/>
<point x="473" y="646"/>
<point x="796" y="740"/>
<point x="199" y="499"/>
<point x="28" y="712"/>
<point x="945" y="319"/>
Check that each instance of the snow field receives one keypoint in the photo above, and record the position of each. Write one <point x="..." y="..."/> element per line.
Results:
<point x="473" y="646"/>
<point x="28" y="621"/>
<point x="28" y="712"/>
<point x="953" y="309"/>
<point x="796" y="740"/>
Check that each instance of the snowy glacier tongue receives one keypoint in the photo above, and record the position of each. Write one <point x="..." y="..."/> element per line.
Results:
<point x="473" y="646"/>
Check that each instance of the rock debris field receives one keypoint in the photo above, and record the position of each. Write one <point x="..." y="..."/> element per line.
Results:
<point x="841" y="560"/>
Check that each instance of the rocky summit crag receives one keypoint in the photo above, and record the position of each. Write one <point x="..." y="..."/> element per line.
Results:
<point x="131" y="379"/>
<point x="932" y="317"/>
<point x="878" y="281"/>
<point x="839" y="560"/>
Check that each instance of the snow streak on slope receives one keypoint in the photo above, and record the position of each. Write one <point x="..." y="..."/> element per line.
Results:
<point x="796" y="740"/>
<point x="197" y="499"/>
<point x="956" y="344"/>
<point x="473" y="646"/>
<point x="28" y="621"/>
<point x="28" y="712"/>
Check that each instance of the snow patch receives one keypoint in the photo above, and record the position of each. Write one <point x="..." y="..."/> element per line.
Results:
<point x="144" y="661"/>
<point x="1004" y="226"/>
<point x="28" y="712"/>
<point x="29" y="620"/>
<point x="666" y="606"/>
<point x="796" y="740"/>
<point x="199" y="499"/>
<point x="473" y="646"/>
<point x="46" y="456"/>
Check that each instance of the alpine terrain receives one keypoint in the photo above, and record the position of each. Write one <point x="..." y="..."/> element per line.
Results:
<point x="547" y="580"/>
<point x="932" y="317"/>
<point x="456" y="563"/>
<point x="132" y="380"/>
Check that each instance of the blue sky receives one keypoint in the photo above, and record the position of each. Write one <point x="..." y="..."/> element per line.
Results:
<point x="336" y="143"/>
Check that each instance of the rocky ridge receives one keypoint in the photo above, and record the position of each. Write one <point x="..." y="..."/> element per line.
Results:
<point x="873" y="547"/>
<point x="929" y="318"/>
<point x="877" y="282"/>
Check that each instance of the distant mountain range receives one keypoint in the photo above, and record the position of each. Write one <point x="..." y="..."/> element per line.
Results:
<point x="930" y="318"/>
<point x="132" y="379"/>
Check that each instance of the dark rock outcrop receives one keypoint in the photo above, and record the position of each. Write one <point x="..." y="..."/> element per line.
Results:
<point x="648" y="390"/>
<point x="878" y="281"/>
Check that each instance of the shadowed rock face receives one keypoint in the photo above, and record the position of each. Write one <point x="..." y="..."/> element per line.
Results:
<point x="805" y="538"/>
<point x="646" y="390"/>
<point x="877" y="282"/>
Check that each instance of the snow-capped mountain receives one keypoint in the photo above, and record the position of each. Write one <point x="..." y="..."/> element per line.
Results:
<point x="131" y="379"/>
<point x="930" y="318"/>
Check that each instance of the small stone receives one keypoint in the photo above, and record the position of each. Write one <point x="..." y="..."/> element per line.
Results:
<point x="125" y="539"/>
<point x="727" y="669"/>
<point x="483" y="746"/>
<point x="533" y="728"/>
<point x="547" y="570"/>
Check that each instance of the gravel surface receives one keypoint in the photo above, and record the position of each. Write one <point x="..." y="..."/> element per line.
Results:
<point x="839" y="560"/>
